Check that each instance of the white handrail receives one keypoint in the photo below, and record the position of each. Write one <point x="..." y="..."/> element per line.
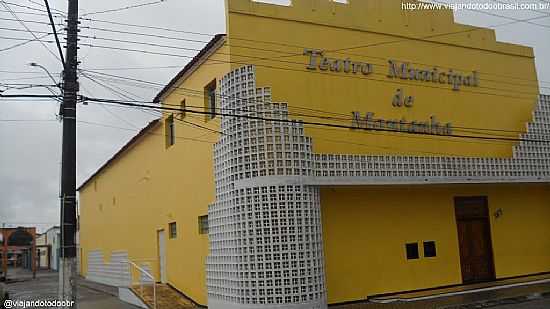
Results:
<point x="147" y="274"/>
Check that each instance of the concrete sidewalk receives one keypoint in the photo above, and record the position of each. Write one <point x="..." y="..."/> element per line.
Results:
<point x="535" y="296"/>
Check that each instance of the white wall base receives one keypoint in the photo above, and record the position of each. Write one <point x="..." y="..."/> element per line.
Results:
<point x="114" y="273"/>
<point x="218" y="304"/>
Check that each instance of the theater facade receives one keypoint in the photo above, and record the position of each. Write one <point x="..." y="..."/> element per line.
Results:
<point x="337" y="151"/>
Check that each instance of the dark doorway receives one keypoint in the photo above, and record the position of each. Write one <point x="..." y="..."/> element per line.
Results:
<point x="474" y="239"/>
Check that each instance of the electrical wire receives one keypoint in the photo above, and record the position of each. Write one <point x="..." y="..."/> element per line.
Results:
<point x="54" y="32"/>
<point x="298" y="63"/>
<point x="341" y="50"/>
<point x="146" y="132"/>
<point x="4" y="3"/>
<point x="304" y="122"/>
<point x="297" y="54"/>
<point x="199" y="93"/>
<point x="26" y="42"/>
<point x="109" y="111"/>
<point x="27" y="120"/>
<point x="316" y="72"/>
<point x="123" y="8"/>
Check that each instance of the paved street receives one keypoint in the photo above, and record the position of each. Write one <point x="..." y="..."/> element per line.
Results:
<point x="45" y="286"/>
<point x="92" y="295"/>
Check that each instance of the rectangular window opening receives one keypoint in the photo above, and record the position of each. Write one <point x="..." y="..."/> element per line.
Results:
<point x="429" y="249"/>
<point x="203" y="224"/>
<point x="210" y="100"/>
<point x="173" y="228"/>
<point x="170" y="131"/>
<point x="412" y="251"/>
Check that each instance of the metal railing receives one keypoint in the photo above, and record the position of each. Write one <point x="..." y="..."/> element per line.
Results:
<point x="134" y="269"/>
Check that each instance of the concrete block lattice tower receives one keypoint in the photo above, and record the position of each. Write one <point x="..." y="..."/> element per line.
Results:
<point x="265" y="229"/>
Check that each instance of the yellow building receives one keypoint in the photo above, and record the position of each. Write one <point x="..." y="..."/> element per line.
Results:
<point x="326" y="152"/>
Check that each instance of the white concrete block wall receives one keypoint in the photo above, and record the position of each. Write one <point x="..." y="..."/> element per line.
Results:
<point x="114" y="273"/>
<point x="265" y="230"/>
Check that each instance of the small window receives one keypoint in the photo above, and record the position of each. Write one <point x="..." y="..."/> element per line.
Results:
<point x="210" y="99"/>
<point x="203" y="224"/>
<point x="170" y="131"/>
<point x="412" y="251"/>
<point x="429" y="249"/>
<point x="173" y="228"/>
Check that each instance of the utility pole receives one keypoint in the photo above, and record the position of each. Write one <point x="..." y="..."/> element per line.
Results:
<point x="68" y="272"/>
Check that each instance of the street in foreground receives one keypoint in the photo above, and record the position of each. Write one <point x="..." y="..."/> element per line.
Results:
<point x="45" y="287"/>
<point x="93" y="295"/>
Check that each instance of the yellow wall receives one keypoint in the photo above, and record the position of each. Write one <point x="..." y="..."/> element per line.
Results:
<point x="365" y="230"/>
<point x="504" y="99"/>
<point x="150" y="186"/>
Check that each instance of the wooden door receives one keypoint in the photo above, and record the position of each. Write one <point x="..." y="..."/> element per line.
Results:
<point x="474" y="239"/>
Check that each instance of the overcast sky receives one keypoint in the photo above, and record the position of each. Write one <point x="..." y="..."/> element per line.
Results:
<point x="30" y="150"/>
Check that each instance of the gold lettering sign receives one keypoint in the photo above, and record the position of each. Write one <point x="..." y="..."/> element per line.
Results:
<point x="435" y="75"/>
<point x="402" y="70"/>
<point x="317" y="60"/>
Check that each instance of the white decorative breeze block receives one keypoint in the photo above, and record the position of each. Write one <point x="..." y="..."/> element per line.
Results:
<point x="265" y="233"/>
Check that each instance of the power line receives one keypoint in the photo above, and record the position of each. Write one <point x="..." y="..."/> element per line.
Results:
<point x="21" y="30"/>
<point x="289" y="62"/>
<point x="127" y="97"/>
<point x="28" y="30"/>
<point x="322" y="125"/>
<point x="124" y="8"/>
<point x="423" y="137"/>
<point x="22" y="6"/>
<point x="148" y="27"/>
<point x="46" y="6"/>
<point x="304" y="122"/>
<point x="26" y="21"/>
<point x="149" y="133"/>
<point x="287" y="54"/>
<point x="30" y="13"/>
<point x="54" y="32"/>
<point x="19" y="39"/>
<point x="138" y="68"/>
<point x="206" y="128"/>
<point x="297" y="54"/>
<point x="199" y="93"/>
<point x="310" y="72"/>
<point x="27" y="78"/>
<point x="335" y="50"/>
<point x="45" y="96"/>
<point x="27" y="120"/>
<point x="25" y="42"/>
<point x="116" y="93"/>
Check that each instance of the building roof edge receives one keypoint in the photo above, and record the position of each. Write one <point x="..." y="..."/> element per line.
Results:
<point x="131" y="142"/>
<point x="213" y="43"/>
